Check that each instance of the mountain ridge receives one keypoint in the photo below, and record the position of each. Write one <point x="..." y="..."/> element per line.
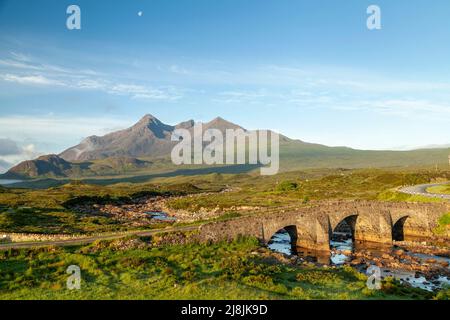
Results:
<point x="149" y="138"/>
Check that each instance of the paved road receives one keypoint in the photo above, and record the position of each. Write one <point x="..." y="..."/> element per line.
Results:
<point x="87" y="240"/>
<point x="421" y="190"/>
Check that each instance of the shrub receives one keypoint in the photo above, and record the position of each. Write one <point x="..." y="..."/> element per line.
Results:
<point x="286" y="186"/>
<point x="443" y="294"/>
<point x="443" y="224"/>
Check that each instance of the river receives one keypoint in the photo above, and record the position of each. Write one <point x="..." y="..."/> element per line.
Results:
<point x="343" y="250"/>
<point x="161" y="216"/>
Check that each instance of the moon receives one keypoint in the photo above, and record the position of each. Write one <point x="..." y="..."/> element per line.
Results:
<point x="140" y="13"/>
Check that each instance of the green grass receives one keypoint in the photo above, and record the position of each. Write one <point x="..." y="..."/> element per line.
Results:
<point x="133" y="269"/>
<point x="443" y="225"/>
<point x="46" y="210"/>
<point x="190" y="271"/>
<point x="393" y="195"/>
<point x="300" y="187"/>
<point x="439" y="189"/>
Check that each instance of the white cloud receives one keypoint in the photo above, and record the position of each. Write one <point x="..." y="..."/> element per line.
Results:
<point x="409" y="108"/>
<point x="42" y="74"/>
<point x="30" y="80"/>
<point x="27" y="127"/>
<point x="178" y="70"/>
<point x="4" y="165"/>
<point x="13" y="152"/>
<point x="29" y="149"/>
<point x="17" y="64"/>
<point x="20" y="56"/>
<point x="35" y="136"/>
<point x="90" y="84"/>
<point x="145" y="92"/>
<point x="8" y="147"/>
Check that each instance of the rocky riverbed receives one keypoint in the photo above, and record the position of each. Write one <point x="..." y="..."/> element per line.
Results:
<point x="140" y="211"/>
<point x="136" y="214"/>
<point x="414" y="263"/>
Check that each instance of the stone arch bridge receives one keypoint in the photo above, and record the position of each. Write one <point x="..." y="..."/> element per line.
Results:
<point x="311" y="227"/>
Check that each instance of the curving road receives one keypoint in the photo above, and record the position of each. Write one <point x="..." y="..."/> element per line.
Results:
<point x="421" y="190"/>
<point x="87" y="240"/>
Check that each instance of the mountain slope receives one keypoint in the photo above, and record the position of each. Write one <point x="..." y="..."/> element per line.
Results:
<point x="147" y="138"/>
<point x="53" y="166"/>
<point x="118" y="153"/>
<point x="49" y="165"/>
<point x="148" y="134"/>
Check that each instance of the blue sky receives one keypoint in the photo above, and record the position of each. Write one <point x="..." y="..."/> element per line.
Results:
<point x="308" y="69"/>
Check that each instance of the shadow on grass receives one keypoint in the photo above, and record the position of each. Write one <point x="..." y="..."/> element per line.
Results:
<point x="48" y="183"/>
<point x="42" y="221"/>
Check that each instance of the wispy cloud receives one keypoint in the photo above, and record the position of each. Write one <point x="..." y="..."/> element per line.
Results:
<point x="17" y="60"/>
<point x="20" y="56"/>
<point x="145" y="92"/>
<point x="24" y="71"/>
<point x="31" y="80"/>
<point x="57" y="126"/>
<point x="409" y="107"/>
<point x="178" y="70"/>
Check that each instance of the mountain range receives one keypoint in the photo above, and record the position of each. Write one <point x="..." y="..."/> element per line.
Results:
<point x="147" y="145"/>
<point x="147" y="138"/>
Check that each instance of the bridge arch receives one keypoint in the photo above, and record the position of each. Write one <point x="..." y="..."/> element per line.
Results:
<point x="347" y="226"/>
<point x="307" y="231"/>
<point x="292" y="231"/>
<point x="272" y="226"/>
<point x="279" y="237"/>
<point x="398" y="229"/>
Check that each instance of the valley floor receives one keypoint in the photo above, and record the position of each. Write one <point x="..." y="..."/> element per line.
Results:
<point x="160" y="267"/>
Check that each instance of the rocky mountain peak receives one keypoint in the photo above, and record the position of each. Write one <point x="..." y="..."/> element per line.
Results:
<point x="185" y="124"/>
<point x="221" y="124"/>
<point x="149" y="137"/>
<point x="147" y="121"/>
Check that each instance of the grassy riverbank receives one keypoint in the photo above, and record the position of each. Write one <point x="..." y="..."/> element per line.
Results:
<point x="137" y="269"/>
